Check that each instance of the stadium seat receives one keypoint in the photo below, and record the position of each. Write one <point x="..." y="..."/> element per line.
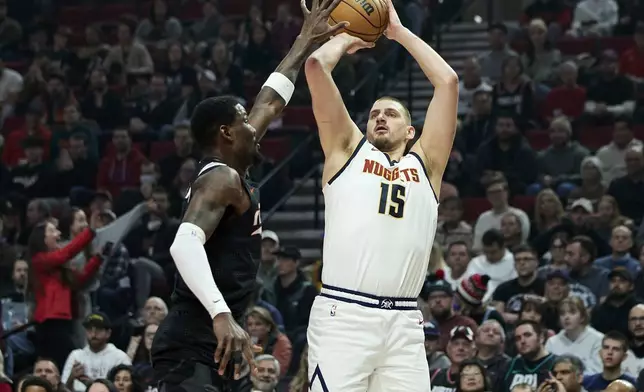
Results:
<point x="572" y="46"/>
<point x="538" y="139"/>
<point x="161" y="149"/>
<point x="594" y="138"/>
<point x="525" y="203"/>
<point x="473" y="207"/>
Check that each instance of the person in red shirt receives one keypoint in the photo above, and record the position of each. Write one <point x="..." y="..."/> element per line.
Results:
<point x="13" y="152"/>
<point x="631" y="62"/>
<point x="54" y="284"/>
<point x="121" y="168"/>
<point x="568" y="99"/>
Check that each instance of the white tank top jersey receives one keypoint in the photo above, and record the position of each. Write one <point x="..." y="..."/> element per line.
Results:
<point x="380" y="222"/>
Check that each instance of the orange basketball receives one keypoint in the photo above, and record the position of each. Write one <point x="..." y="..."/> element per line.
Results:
<point x="368" y="18"/>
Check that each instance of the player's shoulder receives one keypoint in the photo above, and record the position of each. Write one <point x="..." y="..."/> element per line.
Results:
<point x="219" y="180"/>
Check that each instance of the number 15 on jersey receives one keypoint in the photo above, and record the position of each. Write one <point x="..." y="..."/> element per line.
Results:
<point x="392" y="200"/>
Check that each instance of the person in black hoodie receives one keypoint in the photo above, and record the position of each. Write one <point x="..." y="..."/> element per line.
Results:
<point x="30" y="178"/>
<point x="507" y="152"/>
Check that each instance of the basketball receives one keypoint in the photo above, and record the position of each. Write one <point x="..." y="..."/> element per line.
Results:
<point x="368" y="18"/>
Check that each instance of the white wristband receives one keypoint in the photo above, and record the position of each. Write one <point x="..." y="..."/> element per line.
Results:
<point x="281" y="84"/>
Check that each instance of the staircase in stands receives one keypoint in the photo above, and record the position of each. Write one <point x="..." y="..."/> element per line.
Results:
<point x="294" y="224"/>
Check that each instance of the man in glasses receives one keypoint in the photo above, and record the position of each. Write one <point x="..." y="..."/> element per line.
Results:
<point x="460" y="347"/>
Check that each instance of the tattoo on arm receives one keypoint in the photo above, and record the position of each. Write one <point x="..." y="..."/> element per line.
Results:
<point x="210" y="196"/>
<point x="268" y="103"/>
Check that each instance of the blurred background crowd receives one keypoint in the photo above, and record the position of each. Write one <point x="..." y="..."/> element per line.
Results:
<point x="541" y="206"/>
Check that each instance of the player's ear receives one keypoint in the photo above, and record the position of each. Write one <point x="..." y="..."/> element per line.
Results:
<point x="226" y="132"/>
<point x="411" y="132"/>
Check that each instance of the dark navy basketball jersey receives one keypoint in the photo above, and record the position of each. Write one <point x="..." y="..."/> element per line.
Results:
<point x="233" y="250"/>
<point x="522" y="371"/>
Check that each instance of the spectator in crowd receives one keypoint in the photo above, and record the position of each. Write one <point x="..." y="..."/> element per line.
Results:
<point x="497" y="191"/>
<point x="229" y="78"/>
<point x="556" y="289"/>
<point x="594" y="18"/>
<point x="13" y="152"/>
<point x="54" y="286"/>
<point x="548" y="211"/>
<point x="160" y="26"/>
<point x="490" y="341"/>
<point x="440" y="297"/>
<point x="560" y="163"/>
<point x="476" y="128"/>
<point x="511" y="230"/>
<point x="270" y="244"/>
<point x="626" y="189"/>
<point x="556" y="14"/>
<point x="30" y="177"/>
<point x="184" y="149"/>
<point x="569" y="371"/>
<point x="47" y="369"/>
<point x="612" y="155"/>
<point x="612" y="314"/>
<point x="577" y="337"/>
<point x="460" y="348"/>
<point x="203" y="32"/>
<point x="456" y="262"/>
<point x="470" y="298"/>
<point x="124" y="379"/>
<point x="509" y="294"/>
<point x="101" y="385"/>
<point x="284" y="30"/>
<point x="436" y="359"/>
<point x="496" y="261"/>
<point x="11" y="82"/>
<point x="181" y="79"/>
<point x="94" y="361"/>
<point x="592" y="185"/>
<point x="491" y="62"/>
<point x="451" y="227"/>
<point x="514" y="93"/>
<point x="610" y="94"/>
<point x="471" y="83"/>
<point x="555" y="259"/>
<point x="36" y="384"/>
<point x="100" y="104"/>
<point x="613" y="353"/>
<point x="120" y="168"/>
<point x="634" y="362"/>
<point x="267" y="375"/>
<point x="541" y="59"/>
<point x="567" y="98"/>
<point x="608" y="217"/>
<point x="580" y="255"/>
<point x="264" y="331"/>
<point x="621" y="241"/>
<point x="138" y="350"/>
<point x="529" y="337"/>
<point x="473" y="377"/>
<point x="128" y="56"/>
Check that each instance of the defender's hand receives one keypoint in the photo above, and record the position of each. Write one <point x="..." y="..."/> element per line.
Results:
<point x="316" y="21"/>
<point x="232" y="343"/>
<point x="394" y="26"/>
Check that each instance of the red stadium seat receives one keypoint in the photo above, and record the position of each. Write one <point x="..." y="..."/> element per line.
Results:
<point x="571" y="46"/>
<point x="276" y="148"/>
<point x="473" y="207"/>
<point x="538" y="139"/>
<point x="594" y="138"/>
<point x="299" y="115"/>
<point x="525" y="203"/>
<point x="160" y="150"/>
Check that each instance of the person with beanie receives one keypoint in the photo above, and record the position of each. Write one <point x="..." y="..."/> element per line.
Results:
<point x="439" y="295"/>
<point x="470" y="293"/>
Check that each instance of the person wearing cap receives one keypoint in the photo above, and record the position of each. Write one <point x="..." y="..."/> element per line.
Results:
<point x="612" y="314"/>
<point x="95" y="360"/>
<point x="292" y="294"/>
<point x="270" y="245"/>
<point x="460" y="347"/>
<point x="470" y="295"/>
<point x="439" y="295"/>
<point x="30" y="176"/>
<point x="621" y="242"/>
<point x="435" y="358"/>
<point x="13" y="153"/>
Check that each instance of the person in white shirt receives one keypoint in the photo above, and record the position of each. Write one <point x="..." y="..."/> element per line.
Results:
<point x="496" y="261"/>
<point x="594" y="18"/>
<point x="95" y="360"/>
<point x="577" y="337"/>
<point x="497" y="194"/>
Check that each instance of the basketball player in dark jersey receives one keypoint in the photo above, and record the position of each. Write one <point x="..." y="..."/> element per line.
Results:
<point x="200" y="344"/>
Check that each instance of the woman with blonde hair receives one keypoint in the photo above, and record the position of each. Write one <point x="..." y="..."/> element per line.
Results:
<point x="264" y="332"/>
<point x="577" y="337"/>
<point x="300" y="382"/>
<point x="548" y="210"/>
<point x="609" y="216"/>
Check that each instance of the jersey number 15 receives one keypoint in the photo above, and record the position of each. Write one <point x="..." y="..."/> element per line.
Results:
<point x="392" y="200"/>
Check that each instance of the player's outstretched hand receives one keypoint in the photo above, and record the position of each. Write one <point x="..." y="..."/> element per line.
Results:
<point x="316" y="20"/>
<point x="353" y="44"/>
<point x="394" y="25"/>
<point x="233" y="343"/>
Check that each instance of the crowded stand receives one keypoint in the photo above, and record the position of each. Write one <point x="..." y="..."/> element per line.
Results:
<point x="535" y="281"/>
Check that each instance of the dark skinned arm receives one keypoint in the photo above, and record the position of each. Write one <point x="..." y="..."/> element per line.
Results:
<point x="315" y="29"/>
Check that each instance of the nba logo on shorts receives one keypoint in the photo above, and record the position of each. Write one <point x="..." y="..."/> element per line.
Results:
<point x="333" y="308"/>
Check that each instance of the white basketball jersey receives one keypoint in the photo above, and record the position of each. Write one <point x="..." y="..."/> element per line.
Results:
<point x="380" y="222"/>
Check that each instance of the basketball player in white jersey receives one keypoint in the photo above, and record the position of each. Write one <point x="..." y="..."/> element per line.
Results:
<point x="365" y="332"/>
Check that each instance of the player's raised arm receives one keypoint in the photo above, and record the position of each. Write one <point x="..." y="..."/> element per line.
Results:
<point x="338" y="132"/>
<point x="279" y="86"/>
<point x="435" y="143"/>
